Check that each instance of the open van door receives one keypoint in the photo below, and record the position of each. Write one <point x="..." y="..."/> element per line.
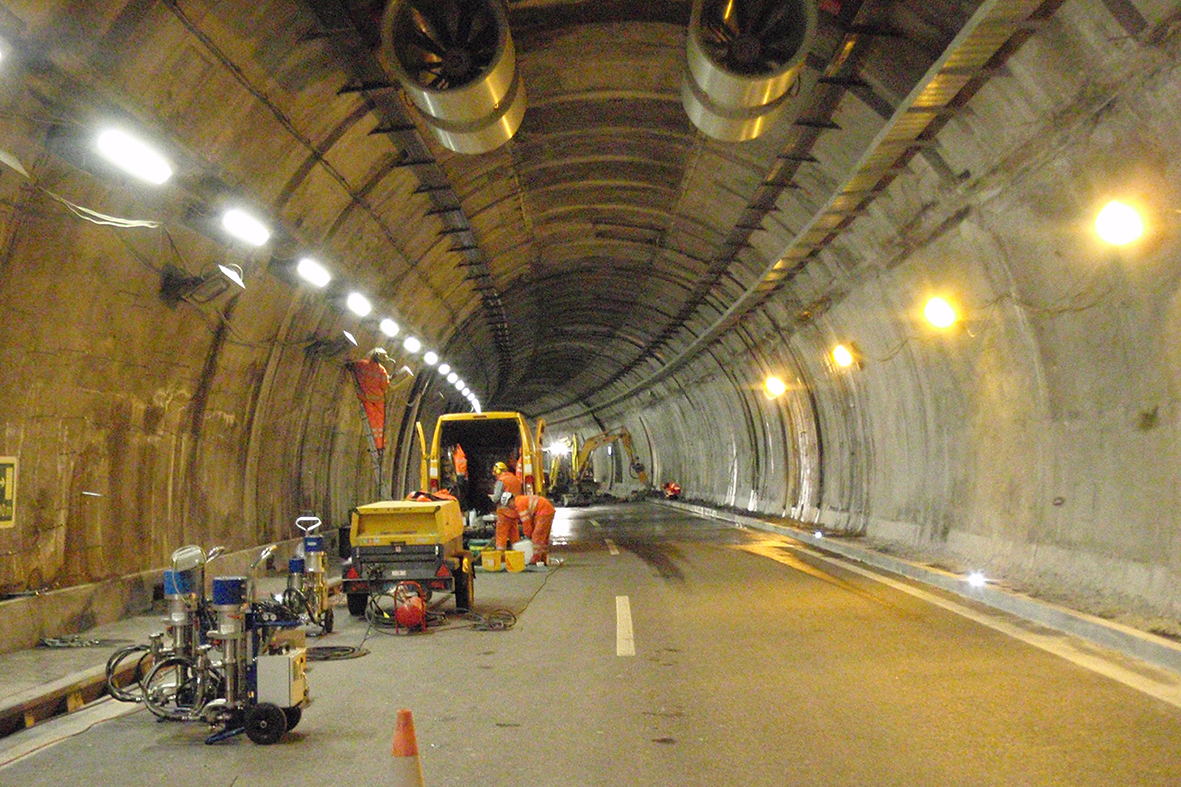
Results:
<point x="424" y="456"/>
<point x="539" y="457"/>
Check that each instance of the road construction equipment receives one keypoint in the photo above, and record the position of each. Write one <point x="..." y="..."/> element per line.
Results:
<point x="307" y="586"/>
<point x="407" y="540"/>
<point x="487" y="439"/>
<point x="582" y="486"/>
<point x="234" y="668"/>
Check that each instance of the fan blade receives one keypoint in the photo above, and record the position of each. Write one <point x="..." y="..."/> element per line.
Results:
<point x="720" y="34"/>
<point x="721" y="16"/>
<point x="421" y="35"/>
<point x="427" y="19"/>
<point x="480" y="28"/>
<point x="779" y="23"/>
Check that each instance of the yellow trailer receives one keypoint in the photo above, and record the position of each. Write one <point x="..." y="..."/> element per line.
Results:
<point x="400" y="540"/>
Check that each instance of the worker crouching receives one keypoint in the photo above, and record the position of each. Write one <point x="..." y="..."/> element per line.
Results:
<point x="536" y="515"/>
<point x="508" y="486"/>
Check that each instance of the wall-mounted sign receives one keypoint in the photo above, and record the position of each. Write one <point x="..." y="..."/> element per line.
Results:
<point x="7" y="491"/>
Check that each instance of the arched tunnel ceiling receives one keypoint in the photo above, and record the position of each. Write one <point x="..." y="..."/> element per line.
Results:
<point x="612" y="229"/>
<point x="609" y="243"/>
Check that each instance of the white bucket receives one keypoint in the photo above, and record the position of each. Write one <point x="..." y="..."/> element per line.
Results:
<point x="526" y="546"/>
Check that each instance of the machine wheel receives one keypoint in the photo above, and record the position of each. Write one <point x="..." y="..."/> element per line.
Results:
<point x="171" y="690"/>
<point x="293" y="715"/>
<point x="357" y="604"/>
<point x="465" y="585"/>
<point x="265" y="723"/>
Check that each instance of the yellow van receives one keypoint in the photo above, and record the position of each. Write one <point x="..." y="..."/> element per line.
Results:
<point x="486" y="438"/>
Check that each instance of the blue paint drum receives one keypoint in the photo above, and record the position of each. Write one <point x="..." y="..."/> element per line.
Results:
<point x="295" y="565"/>
<point x="313" y="544"/>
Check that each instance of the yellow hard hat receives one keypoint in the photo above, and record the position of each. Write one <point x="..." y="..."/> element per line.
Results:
<point x="499" y="467"/>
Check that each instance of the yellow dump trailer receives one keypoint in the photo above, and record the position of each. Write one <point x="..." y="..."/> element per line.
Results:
<point x="400" y="540"/>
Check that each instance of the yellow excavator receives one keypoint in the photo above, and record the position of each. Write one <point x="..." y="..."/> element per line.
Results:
<point x="581" y="487"/>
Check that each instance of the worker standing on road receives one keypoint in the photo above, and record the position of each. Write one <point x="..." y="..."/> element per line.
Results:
<point x="508" y="486"/>
<point x="537" y="517"/>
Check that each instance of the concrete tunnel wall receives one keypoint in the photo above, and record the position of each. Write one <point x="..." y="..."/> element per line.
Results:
<point x="1037" y="440"/>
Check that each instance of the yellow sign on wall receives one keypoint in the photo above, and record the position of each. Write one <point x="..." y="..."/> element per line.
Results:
<point x="7" y="491"/>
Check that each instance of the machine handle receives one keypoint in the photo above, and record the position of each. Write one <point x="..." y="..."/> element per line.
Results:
<point x="309" y="528"/>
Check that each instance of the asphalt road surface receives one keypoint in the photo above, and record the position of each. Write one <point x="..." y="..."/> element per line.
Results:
<point x="668" y="650"/>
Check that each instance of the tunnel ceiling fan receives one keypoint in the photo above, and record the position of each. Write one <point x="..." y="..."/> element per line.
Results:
<point x="445" y="44"/>
<point x="753" y="37"/>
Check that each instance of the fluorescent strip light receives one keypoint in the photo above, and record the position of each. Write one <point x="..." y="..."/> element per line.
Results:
<point x="133" y="156"/>
<point x="358" y="304"/>
<point x="313" y="272"/>
<point x="430" y="358"/>
<point x="444" y="369"/>
<point x="245" y="227"/>
<point x="389" y="327"/>
<point x="412" y="345"/>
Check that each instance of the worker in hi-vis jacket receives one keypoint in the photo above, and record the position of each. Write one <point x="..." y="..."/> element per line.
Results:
<point x="373" y="380"/>
<point x="537" y="517"/>
<point x="508" y="486"/>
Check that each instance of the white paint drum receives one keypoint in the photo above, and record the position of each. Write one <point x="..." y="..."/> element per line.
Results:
<point x="742" y="58"/>
<point x="457" y="63"/>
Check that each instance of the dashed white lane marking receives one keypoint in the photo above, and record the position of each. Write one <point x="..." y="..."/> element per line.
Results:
<point x="611" y="548"/>
<point x="625" y="639"/>
<point x="595" y="523"/>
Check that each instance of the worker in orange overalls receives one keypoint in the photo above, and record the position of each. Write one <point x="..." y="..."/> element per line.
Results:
<point x="537" y="517"/>
<point x="459" y="464"/>
<point x="372" y="383"/>
<point x="508" y="486"/>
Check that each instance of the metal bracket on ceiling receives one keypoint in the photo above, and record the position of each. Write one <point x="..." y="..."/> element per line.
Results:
<point x="399" y="128"/>
<point x="825" y="124"/>
<point x="366" y="87"/>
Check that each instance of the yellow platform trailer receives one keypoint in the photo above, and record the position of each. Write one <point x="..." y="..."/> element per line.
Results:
<point x="401" y="540"/>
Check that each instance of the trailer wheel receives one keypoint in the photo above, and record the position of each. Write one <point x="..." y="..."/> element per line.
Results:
<point x="265" y="723"/>
<point x="357" y="604"/>
<point x="465" y="584"/>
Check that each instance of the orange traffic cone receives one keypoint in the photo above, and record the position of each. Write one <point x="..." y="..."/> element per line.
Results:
<point x="407" y="768"/>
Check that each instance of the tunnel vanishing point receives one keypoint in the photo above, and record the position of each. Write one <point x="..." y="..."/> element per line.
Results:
<point x="719" y="225"/>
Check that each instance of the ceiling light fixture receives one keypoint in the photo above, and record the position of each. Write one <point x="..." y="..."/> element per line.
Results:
<point x="313" y="272"/>
<point x="1119" y="224"/>
<point x="133" y="156"/>
<point x="411" y="345"/>
<point x="774" y="387"/>
<point x="233" y="273"/>
<point x="939" y="313"/>
<point x="841" y="356"/>
<point x="389" y="327"/>
<point x="452" y="377"/>
<point x="444" y="369"/>
<point x="358" y="304"/>
<point x="245" y="227"/>
<point x="430" y="358"/>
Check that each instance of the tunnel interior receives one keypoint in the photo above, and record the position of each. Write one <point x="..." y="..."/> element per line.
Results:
<point x="861" y="289"/>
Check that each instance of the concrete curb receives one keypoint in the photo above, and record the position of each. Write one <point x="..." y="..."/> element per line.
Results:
<point x="1126" y="640"/>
